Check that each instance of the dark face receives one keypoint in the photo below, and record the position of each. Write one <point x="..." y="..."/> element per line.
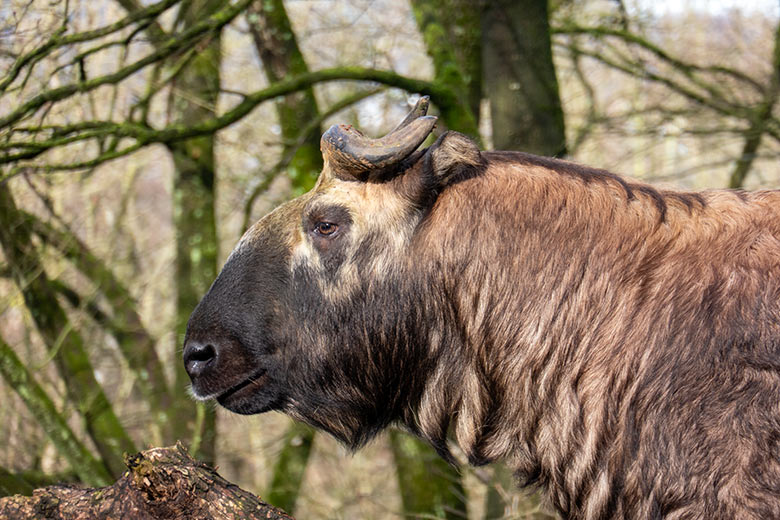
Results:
<point x="321" y="310"/>
<point x="230" y="352"/>
<point x="312" y="313"/>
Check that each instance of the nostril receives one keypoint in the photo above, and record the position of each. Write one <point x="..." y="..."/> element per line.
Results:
<point x="198" y="357"/>
<point x="204" y="353"/>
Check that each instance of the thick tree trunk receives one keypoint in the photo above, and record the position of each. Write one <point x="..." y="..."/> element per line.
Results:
<point x="281" y="58"/>
<point x="519" y="78"/>
<point x="162" y="483"/>
<point x="448" y="28"/>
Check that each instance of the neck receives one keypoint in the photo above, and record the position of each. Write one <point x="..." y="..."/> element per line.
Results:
<point x="543" y="320"/>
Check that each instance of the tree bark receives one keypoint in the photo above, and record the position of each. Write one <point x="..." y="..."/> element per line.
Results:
<point x="439" y="26"/>
<point x="162" y="483"/>
<point x="194" y="100"/>
<point x="66" y="345"/>
<point x="519" y="78"/>
<point x="281" y="58"/>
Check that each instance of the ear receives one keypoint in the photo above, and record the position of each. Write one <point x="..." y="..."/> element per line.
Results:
<point x="453" y="156"/>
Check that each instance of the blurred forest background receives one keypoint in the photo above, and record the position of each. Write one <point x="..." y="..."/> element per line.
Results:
<point x="139" y="138"/>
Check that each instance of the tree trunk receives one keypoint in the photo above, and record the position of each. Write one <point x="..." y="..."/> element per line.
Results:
<point x="449" y="29"/>
<point x="88" y="468"/>
<point x="759" y="120"/>
<point x="281" y="58"/>
<point x="11" y="484"/>
<point x="430" y="487"/>
<point x="453" y="35"/>
<point x="290" y="467"/>
<point x="162" y="483"/>
<point x="194" y="100"/>
<point x="519" y="78"/>
<point x="65" y="344"/>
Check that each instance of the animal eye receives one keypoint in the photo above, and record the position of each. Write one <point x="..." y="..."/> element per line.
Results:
<point x="325" y="228"/>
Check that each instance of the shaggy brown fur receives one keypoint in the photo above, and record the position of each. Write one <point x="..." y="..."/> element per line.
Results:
<point x="617" y="345"/>
<point x="622" y="344"/>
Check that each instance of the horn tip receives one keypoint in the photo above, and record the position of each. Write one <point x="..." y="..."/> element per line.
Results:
<point x="333" y="137"/>
<point x="421" y="107"/>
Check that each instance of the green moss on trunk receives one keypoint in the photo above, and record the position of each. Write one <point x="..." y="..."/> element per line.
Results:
<point x="281" y="57"/>
<point x="447" y="25"/>
<point x="192" y="102"/>
<point x="66" y="345"/>
<point x="290" y="467"/>
<point x="88" y="468"/>
<point x="429" y="486"/>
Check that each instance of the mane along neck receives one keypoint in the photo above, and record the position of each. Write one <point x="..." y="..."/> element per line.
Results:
<point x="558" y="276"/>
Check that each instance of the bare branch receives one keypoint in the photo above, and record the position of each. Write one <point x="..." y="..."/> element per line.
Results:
<point x="144" y="135"/>
<point x="58" y="39"/>
<point x="718" y="105"/>
<point x="182" y="41"/>
<point x="687" y="68"/>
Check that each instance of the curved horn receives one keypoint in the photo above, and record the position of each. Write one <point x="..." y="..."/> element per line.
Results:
<point x="349" y="151"/>
<point x="419" y="110"/>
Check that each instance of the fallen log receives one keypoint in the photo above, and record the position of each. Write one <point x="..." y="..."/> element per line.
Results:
<point x="161" y="483"/>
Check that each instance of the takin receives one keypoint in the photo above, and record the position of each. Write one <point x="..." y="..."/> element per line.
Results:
<point x="614" y="344"/>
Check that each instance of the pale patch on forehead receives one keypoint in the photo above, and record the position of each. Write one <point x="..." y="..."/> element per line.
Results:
<point x="374" y="207"/>
<point x="362" y="198"/>
<point x="377" y="210"/>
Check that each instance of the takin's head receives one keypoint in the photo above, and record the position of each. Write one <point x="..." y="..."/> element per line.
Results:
<point x="322" y="310"/>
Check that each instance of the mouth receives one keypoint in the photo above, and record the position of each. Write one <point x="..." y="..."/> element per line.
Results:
<point x="247" y="386"/>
